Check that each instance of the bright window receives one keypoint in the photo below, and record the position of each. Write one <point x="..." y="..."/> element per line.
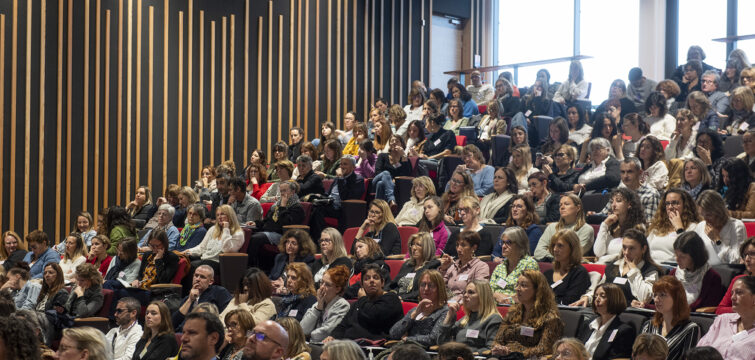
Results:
<point x="745" y="26"/>
<point x="700" y="21"/>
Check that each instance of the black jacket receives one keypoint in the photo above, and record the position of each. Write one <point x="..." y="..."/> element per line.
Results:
<point x="563" y="183"/>
<point x="350" y="187"/>
<point x="161" y="347"/>
<point x="552" y="212"/>
<point x="370" y="319"/>
<point x="309" y="183"/>
<point x="608" y="181"/>
<point x="487" y="240"/>
<point x="166" y="267"/>
<point x="290" y="215"/>
<point x="572" y="286"/>
<point x="383" y="163"/>
<point x="621" y="342"/>
<point x="87" y="305"/>
<point x="389" y="239"/>
<point x="407" y="268"/>
<point x="14" y="258"/>
<point x="294" y="151"/>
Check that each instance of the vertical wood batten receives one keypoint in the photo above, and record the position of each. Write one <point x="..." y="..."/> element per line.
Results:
<point x="85" y="156"/>
<point x="138" y="117"/>
<point x="166" y="26"/>
<point x="247" y="39"/>
<point x="317" y="64"/>
<point x="150" y="101"/>
<point x="69" y="119"/>
<point x="291" y="48"/>
<point x="298" y="71"/>
<point x="27" y="127"/>
<point x="119" y="115"/>
<point x="270" y="79"/>
<point x="280" y="76"/>
<point x="106" y="168"/>
<point x="233" y="88"/>
<point x="97" y="77"/>
<point x="338" y="65"/>
<point x="200" y="89"/>
<point x="212" y="92"/>
<point x="223" y="58"/>
<point x="329" y="75"/>
<point x="305" y="89"/>
<point x="180" y="98"/>
<point x="14" y="120"/>
<point x="2" y="114"/>
<point x="260" y="24"/>
<point x="189" y="99"/>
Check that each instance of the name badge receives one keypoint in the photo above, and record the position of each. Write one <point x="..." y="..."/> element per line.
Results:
<point x="473" y="334"/>
<point x="502" y="283"/>
<point x="420" y="316"/>
<point x="293" y="312"/>
<point x="122" y="274"/>
<point x="463" y="277"/>
<point x="436" y="142"/>
<point x="620" y="280"/>
<point x="740" y="336"/>
<point x="556" y="284"/>
<point x="528" y="113"/>
<point x="411" y="275"/>
<point x="744" y="126"/>
<point x="527" y="331"/>
<point x="613" y="335"/>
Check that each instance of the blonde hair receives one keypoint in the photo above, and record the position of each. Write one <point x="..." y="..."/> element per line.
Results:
<point x="580" y="214"/>
<point x="190" y="194"/>
<point x="387" y="215"/>
<point x="21" y="244"/>
<point x="521" y="172"/>
<point x="79" y="250"/>
<point x="339" y="249"/>
<point x="90" y="339"/>
<point x="428" y="247"/>
<point x="233" y="222"/>
<point x="296" y="342"/>
<point x="576" y="346"/>
<point x="427" y="183"/>
<point x="487" y="302"/>
<point x="545" y="301"/>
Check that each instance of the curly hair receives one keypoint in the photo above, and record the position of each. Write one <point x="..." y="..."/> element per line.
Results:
<point x="718" y="145"/>
<point x="306" y="283"/>
<point x="118" y="215"/>
<point x="545" y="301"/>
<point x="531" y="215"/>
<point x="736" y="193"/>
<point x="635" y="217"/>
<point x="661" y="222"/>
<point x="599" y="124"/>
<point x="19" y="339"/>
<point x="656" y="147"/>
<point x="303" y="242"/>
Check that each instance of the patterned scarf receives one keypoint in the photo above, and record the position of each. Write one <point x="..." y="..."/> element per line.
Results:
<point x="292" y="201"/>
<point x="186" y="233"/>
<point x="150" y="272"/>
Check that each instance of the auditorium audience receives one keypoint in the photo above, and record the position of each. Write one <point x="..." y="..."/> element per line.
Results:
<point x="459" y="187"/>
<point x="546" y="202"/>
<point x="474" y="165"/>
<point x="747" y="253"/>
<point x="193" y="231"/>
<point x="439" y="143"/>
<point x="52" y="292"/>
<point x="296" y="246"/>
<point x="224" y="236"/>
<point x="568" y="278"/>
<point x="740" y="189"/>
<point x="561" y="173"/>
<point x="348" y="186"/>
<point x="558" y="134"/>
<point x="40" y="254"/>
<point x="286" y="211"/>
<point x="602" y="172"/>
<point x="424" y="323"/>
<point x="414" y="109"/>
<point x="495" y="207"/>
<point x="349" y="121"/>
<point x="333" y="253"/>
<point x="521" y="165"/>
<point x="330" y="308"/>
<point x="604" y="127"/>
<point x="86" y="295"/>
<point x="515" y="260"/>
<point x="76" y="254"/>
<point x="740" y="116"/>
<point x="98" y="256"/>
<point x="365" y="166"/>
<point x="432" y="222"/>
<point x="141" y="208"/>
<point x="118" y="225"/>
<point x="457" y="273"/>
<point x="203" y="291"/>
<point x="124" y="268"/>
<point x="469" y="106"/>
<point x="412" y="211"/>
<point x="300" y="293"/>
<point x="470" y="217"/>
<point x="671" y="320"/>
<point x="572" y="218"/>
<point x="330" y="162"/>
<point x="479" y="325"/>
<point x="164" y="217"/>
<point x="696" y="178"/>
<point x="636" y="129"/>
<point x="732" y="334"/>
<point x="84" y="226"/>
<point x="253" y="296"/>
<point x="12" y="250"/>
<point x="607" y="337"/>
<point x="237" y="324"/>
<point x="654" y="170"/>
<point x="415" y="138"/>
<point x="576" y="118"/>
<point x="397" y="118"/>
<point x="361" y="133"/>
<point x="626" y="213"/>
<point x="258" y="183"/>
<point x="366" y="252"/>
<point x="381" y="227"/>
<point x="309" y="182"/>
<point x="677" y="214"/>
<point x="702" y="284"/>
<point x="158" y="340"/>
<point x="421" y="257"/>
<point x="532" y="325"/>
<point x="722" y="234"/>
<point x="388" y="166"/>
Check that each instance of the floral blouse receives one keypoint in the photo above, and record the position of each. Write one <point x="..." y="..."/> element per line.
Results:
<point x="503" y="282"/>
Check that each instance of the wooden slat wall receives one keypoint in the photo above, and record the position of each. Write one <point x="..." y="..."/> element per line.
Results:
<point x="146" y="92"/>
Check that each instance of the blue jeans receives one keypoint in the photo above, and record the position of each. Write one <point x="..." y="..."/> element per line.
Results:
<point x="384" y="186"/>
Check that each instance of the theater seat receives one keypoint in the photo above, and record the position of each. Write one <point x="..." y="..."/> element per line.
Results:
<point x="231" y="265"/>
<point x="750" y="228"/>
<point x="348" y="238"/>
<point x="395" y="266"/>
<point x="183" y="269"/>
<point x="106" y="303"/>
<point x="408" y="306"/>
<point x="572" y="321"/>
<point x="461" y="140"/>
<point x="635" y="320"/>
<point x="97" y="322"/>
<point x="599" y="268"/>
<point x="406" y="232"/>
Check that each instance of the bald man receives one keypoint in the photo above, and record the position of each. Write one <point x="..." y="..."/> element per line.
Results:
<point x="268" y="342"/>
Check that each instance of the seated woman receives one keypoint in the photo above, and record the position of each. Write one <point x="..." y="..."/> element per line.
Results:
<point x="331" y="159"/>
<point x="440" y="143"/>
<point x="634" y="271"/>
<point x="75" y="255"/>
<point x="626" y="213"/>
<point x="561" y="174"/>
<point x="469" y="207"/>
<point x="558" y="134"/>
<point x="297" y="345"/>
<point x="696" y="177"/>
<point x="366" y="252"/>
<point x="607" y="337"/>
<point x="193" y="231"/>
<point x="397" y="119"/>
<point x="654" y="170"/>
<point x="496" y="206"/>
<point x="382" y="132"/>
<point x="141" y="208"/>
<point x="352" y="147"/>
<point x="52" y="292"/>
<point x="286" y="211"/>
<point x="671" y="320"/>
<point x="604" y="127"/>
<point x="695" y="273"/>
<point x="455" y="119"/>
<point x="424" y="323"/>
<point x="574" y="88"/>
<point x="367" y="157"/>
<point x="17" y="284"/>
<point x="124" y="268"/>
<point x="300" y="292"/>
<point x="636" y="128"/>
<point x="474" y="165"/>
<point x="164" y="217"/>
<point x="86" y="296"/>
<point x="650" y="346"/>
<point x="414" y="109"/>
<point x="579" y="131"/>
<point x="327" y="132"/>
<point x="12" y="249"/>
<point x="118" y="225"/>
<point x="572" y="218"/>
<point x="478" y="328"/>
<point x="285" y="170"/>
<point x="333" y="254"/>
<point x="570" y="348"/>
<point x="258" y="183"/>
<point x="747" y="253"/>
<point x="680" y="215"/>
<point x="459" y="92"/>
<point x="373" y="314"/>
<point x="98" y="254"/>
<point x="683" y="141"/>
<point x="238" y="323"/>
<point x="421" y="258"/>
<point x="546" y="202"/>
<point x="740" y="189"/>
<point x="432" y="222"/>
<point x="522" y="215"/>
<point x="388" y="166"/>
<point x="460" y="186"/>
<point x="602" y="172"/>
<point x="709" y="147"/>
<point x="295" y="246"/>
<point x="731" y="334"/>
<point x="84" y="226"/>
<point x="490" y="125"/>
<point x="320" y="319"/>
<point x="381" y="227"/>
<point x="740" y="116"/>
<point x="722" y="234"/>
<point x="186" y="198"/>
<point x="533" y="324"/>
<point x="521" y="164"/>
<point x="415" y="138"/>
<point x="568" y="278"/>
<point x="253" y="296"/>
<point x="207" y="184"/>
<point x="224" y="236"/>
<point x="517" y="259"/>
<point x="467" y="268"/>
<point x="158" y="340"/>
<point x="662" y="124"/>
<point x="280" y="153"/>
<point x="411" y="212"/>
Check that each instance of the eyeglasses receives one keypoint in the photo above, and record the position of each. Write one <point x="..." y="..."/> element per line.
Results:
<point x="261" y="336"/>
<point x="457" y="182"/>
<point x="749" y="254"/>
<point x="465" y="210"/>
<point x="506" y="242"/>
<point x="558" y="155"/>
<point x="374" y="212"/>
<point x="231" y="325"/>
<point x="118" y="311"/>
<point x="563" y="354"/>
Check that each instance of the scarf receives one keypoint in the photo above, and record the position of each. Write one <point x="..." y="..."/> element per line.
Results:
<point x="186" y="233"/>
<point x="693" y="191"/>
<point x="491" y="203"/>
<point x="292" y="201"/>
<point x="692" y="281"/>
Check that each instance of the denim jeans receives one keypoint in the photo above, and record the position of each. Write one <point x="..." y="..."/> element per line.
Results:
<point x="384" y="186"/>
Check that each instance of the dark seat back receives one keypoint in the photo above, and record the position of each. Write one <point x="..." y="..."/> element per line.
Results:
<point x="594" y="201"/>
<point x="446" y="168"/>
<point x="501" y="152"/>
<point x="703" y="321"/>
<point x="733" y="146"/>
<point x="572" y="321"/>
<point x="635" y="320"/>
<point x="728" y="272"/>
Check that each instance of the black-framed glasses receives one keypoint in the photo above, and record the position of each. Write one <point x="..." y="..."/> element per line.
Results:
<point x="260" y="336"/>
<point x="118" y="311"/>
<point x="558" y="155"/>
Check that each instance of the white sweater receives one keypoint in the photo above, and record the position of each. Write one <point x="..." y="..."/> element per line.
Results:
<point x="210" y="247"/>
<point x="733" y="234"/>
<point x="662" y="246"/>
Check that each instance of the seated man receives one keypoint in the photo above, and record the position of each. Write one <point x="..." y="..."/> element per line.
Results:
<point x="247" y="208"/>
<point x="309" y="182"/>
<point x="221" y="197"/>
<point x="718" y="100"/>
<point x="639" y="87"/>
<point x="202" y="338"/>
<point x="349" y="186"/>
<point x="631" y="171"/>
<point x="124" y="337"/>
<point x="202" y="290"/>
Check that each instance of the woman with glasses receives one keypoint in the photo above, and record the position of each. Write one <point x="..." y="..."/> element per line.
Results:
<point x="671" y="320"/>
<point x="722" y="234"/>
<point x="533" y="324"/>
<point x="604" y="126"/>
<point x="731" y="334"/>
<point x="424" y="323"/>
<point x="740" y="115"/>
<point x="702" y="284"/>
<point x="478" y="328"/>
<point x="455" y="119"/>
<point x="747" y="252"/>
<point x="237" y="324"/>
<point x="470" y="216"/>
<point x="421" y="257"/>
<point x="280" y="153"/>
<point x="602" y="172"/>
<point x="381" y="227"/>
<point x="333" y="254"/>
<point x="258" y="183"/>
<point x="460" y="186"/>
<point x="467" y="268"/>
<point x="572" y="218"/>
<point x="516" y="260"/>
<point x="522" y="215"/>
<point x="495" y="207"/>
<point x="677" y="213"/>
<point x="634" y="127"/>
<point x="193" y="231"/>
<point x="560" y="169"/>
